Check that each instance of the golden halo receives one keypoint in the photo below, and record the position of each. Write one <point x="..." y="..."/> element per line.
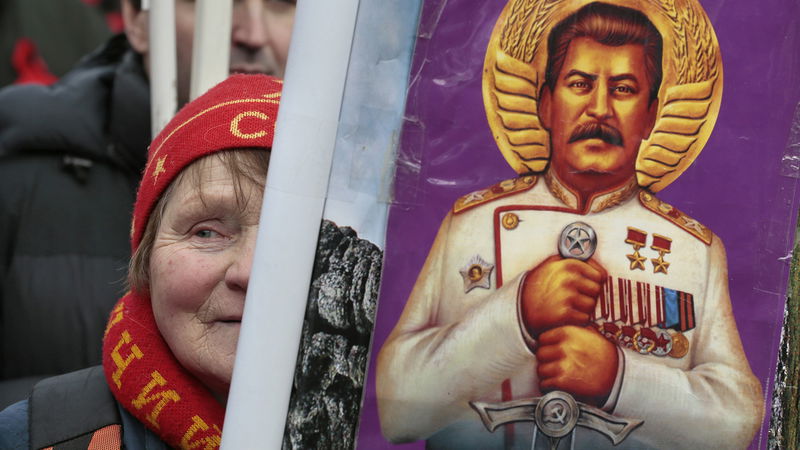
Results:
<point x="688" y="100"/>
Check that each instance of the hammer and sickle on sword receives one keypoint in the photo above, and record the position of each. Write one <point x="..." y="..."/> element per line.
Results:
<point x="555" y="415"/>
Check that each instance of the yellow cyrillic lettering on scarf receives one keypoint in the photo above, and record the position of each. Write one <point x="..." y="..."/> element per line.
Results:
<point x="123" y="362"/>
<point x="209" y="442"/>
<point x="116" y="316"/>
<point x="163" y="397"/>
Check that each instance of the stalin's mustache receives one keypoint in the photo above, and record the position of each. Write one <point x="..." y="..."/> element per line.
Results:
<point x="596" y="130"/>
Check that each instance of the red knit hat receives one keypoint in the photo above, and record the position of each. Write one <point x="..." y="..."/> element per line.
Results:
<point x="239" y="112"/>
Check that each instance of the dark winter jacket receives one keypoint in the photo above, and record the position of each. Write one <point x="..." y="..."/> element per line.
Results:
<point x="70" y="159"/>
<point x="67" y="411"/>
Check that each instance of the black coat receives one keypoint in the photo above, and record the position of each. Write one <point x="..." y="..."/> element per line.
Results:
<point x="71" y="156"/>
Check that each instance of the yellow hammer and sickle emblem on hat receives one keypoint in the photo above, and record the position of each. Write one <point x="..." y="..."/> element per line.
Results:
<point x="238" y="133"/>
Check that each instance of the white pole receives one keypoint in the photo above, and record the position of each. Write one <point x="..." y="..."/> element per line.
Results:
<point x="290" y="218"/>
<point x="163" y="89"/>
<point x="211" y="49"/>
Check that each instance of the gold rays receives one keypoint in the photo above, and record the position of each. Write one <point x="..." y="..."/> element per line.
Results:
<point x="677" y="136"/>
<point x="519" y="134"/>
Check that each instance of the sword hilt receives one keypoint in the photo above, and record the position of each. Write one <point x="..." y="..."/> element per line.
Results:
<point x="555" y="414"/>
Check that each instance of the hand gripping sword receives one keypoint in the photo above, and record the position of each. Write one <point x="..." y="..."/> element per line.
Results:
<point x="555" y="414"/>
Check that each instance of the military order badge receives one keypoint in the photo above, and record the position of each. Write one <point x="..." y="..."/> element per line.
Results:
<point x="571" y="306"/>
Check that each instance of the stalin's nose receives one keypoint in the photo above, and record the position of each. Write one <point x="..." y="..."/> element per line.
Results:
<point x="599" y="105"/>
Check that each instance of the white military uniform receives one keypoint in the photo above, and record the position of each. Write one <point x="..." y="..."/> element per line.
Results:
<point x="459" y="338"/>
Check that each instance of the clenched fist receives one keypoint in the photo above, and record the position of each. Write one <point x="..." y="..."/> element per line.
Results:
<point x="560" y="292"/>
<point x="577" y="360"/>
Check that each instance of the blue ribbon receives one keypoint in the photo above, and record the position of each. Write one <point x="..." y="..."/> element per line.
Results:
<point x="672" y="316"/>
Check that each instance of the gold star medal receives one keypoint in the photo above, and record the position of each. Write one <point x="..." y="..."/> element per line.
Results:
<point x="477" y="273"/>
<point x="638" y="239"/>
<point x="662" y="245"/>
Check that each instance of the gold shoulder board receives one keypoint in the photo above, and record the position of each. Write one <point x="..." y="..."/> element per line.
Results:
<point x="675" y="216"/>
<point x="499" y="190"/>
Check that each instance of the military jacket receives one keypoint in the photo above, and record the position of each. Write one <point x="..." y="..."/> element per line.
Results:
<point x="665" y="304"/>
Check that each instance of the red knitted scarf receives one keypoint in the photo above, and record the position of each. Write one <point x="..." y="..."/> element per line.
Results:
<point x="149" y="382"/>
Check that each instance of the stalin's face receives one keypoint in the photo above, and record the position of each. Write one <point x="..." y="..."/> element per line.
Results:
<point x="598" y="113"/>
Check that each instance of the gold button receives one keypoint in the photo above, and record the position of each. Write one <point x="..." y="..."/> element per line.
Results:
<point x="510" y="221"/>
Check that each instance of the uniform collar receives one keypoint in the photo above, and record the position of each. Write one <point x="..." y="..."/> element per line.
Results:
<point x="598" y="202"/>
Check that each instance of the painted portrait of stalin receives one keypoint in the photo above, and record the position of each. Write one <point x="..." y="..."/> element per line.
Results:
<point x="576" y="279"/>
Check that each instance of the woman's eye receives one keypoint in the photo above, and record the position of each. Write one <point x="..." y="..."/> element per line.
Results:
<point x="206" y="234"/>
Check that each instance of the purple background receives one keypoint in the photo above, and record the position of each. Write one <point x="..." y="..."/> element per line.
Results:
<point x="738" y="186"/>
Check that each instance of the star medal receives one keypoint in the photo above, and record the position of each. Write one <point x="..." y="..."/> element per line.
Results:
<point x="577" y="241"/>
<point x="476" y="273"/>
<point x="638" y="239"/>
<point x="662" y="245"/>
<point x="663" y="343"/>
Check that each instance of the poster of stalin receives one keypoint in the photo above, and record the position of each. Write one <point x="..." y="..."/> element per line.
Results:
<point x="569" y="307"/>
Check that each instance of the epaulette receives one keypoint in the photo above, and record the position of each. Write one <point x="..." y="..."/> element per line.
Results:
<point x="499" y="190"/>
<point x="675" y="216"/>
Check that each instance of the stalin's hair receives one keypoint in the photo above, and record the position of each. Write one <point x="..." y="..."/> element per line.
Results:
<point x="608" y="25"/>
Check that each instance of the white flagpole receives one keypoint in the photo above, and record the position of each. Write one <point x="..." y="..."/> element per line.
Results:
<point x="211" y="49"/>
<point x="294" y="199"/>
<point x="163" y="94"/>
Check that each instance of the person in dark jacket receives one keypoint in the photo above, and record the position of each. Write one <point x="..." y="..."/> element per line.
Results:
<point x="70" y="157"/>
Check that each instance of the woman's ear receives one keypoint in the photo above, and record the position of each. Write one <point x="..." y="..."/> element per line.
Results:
<point x="136" y="30"/>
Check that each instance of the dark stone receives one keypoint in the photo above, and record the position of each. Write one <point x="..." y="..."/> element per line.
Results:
<point x="336" y="313"/>
<point x="357" y="364"/>
<point x="366" y="320"/>
<point x="784" y="430"/>
<point x="329" y="238"/>
<point x="307" y="423"/>
<point x="342" y="407"/>
<point x="332" y="360"/>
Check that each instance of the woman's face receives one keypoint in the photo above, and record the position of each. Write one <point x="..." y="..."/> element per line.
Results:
<point x="200" y="268"/>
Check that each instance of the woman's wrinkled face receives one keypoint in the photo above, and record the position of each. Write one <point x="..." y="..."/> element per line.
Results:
<point x="199" y="270"/>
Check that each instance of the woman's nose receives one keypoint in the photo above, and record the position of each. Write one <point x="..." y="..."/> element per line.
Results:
<point x="237" y="276"/>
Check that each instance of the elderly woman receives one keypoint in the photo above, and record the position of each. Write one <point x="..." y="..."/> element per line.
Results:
<point x="170" y="342"/>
